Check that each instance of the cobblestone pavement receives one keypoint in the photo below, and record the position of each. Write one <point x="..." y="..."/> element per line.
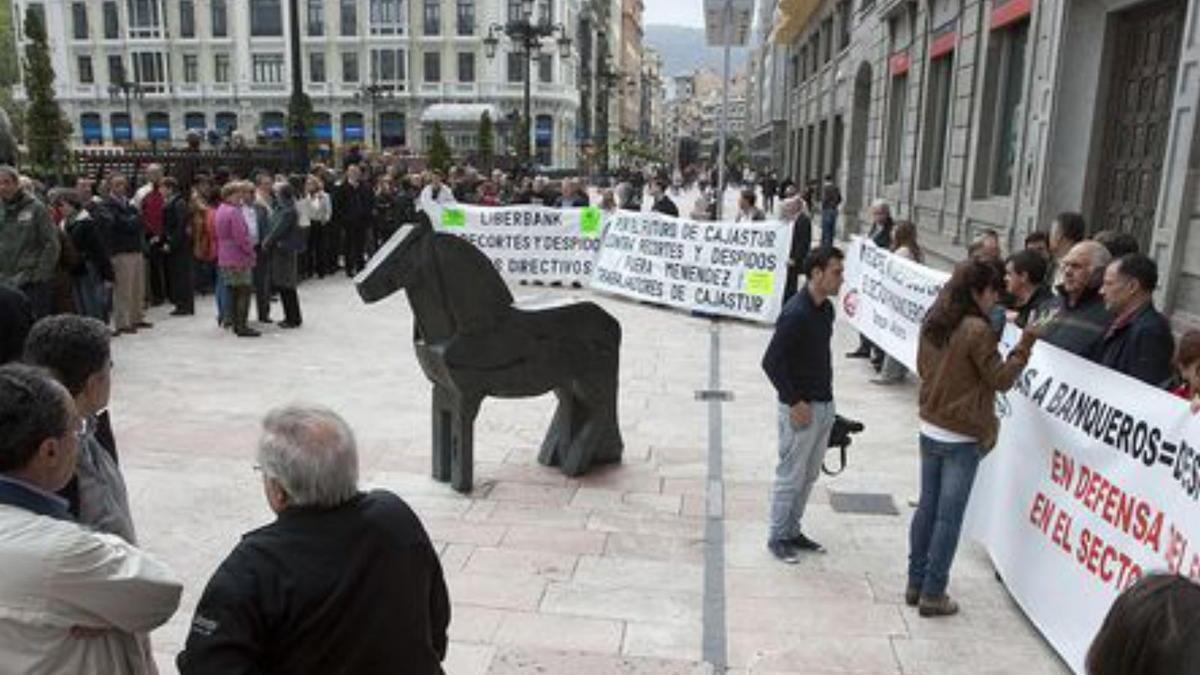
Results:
<point x="604" y="574"/>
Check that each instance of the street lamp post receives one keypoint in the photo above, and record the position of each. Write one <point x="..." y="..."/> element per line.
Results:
<point x="123" y="88"/>
<point x="527" y="36"/>
<point x="373" y="92"/>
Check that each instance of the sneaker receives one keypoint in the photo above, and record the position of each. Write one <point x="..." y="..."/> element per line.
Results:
<point x="859" y="354"/>
<point x="266" y="320"/>
<point x="783" y="552"/>
<point x="805" y="544"/>
<point x="936" y="605"/>
<point x="912" y="596"/>
<point x="247" y="333"/>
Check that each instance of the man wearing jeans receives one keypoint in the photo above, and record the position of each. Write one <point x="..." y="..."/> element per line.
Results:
<point x="799" y="365"/>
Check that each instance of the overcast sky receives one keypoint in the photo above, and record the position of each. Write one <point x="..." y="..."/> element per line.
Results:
<point x="675" y="12"/>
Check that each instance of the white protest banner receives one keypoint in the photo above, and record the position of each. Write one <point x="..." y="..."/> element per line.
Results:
<point x="1093" y="483"/>
<point x="885" y="297"/>
<point x="527" y="243"/>
<point x="730" y="269"/>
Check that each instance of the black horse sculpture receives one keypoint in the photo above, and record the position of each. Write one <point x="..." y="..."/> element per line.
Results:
<point x="472" y="342"/>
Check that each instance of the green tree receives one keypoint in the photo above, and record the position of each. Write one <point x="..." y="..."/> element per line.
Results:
<point x="46" y="127"/>
<point x="439" y="150"/>
<point x="487" y="143"/>
<point x="9" y="63"/>
<point x="520" y="141"/>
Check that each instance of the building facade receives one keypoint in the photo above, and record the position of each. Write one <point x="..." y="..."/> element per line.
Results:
<point x="766" y="123"/>
<point x="975" y="114"/>
<point x="138" y="70"/>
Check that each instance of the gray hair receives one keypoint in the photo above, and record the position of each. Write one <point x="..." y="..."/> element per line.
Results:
<point x="1098" y="256"/>
<point x="310" y="451"/>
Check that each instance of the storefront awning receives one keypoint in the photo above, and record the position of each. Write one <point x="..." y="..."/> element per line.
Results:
<point x="459" y="113"/>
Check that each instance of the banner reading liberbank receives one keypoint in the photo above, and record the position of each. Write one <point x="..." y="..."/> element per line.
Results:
<point x="1094" y="483"/>
<point x="728" y="269"/>
<point x="885" y="297"/>
<point x="527" y="243"/>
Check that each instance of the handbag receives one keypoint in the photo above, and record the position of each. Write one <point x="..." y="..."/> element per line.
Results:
<point x="841" y="436"/>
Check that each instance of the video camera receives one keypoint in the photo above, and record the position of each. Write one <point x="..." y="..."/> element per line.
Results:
<point x="841" y="436"/>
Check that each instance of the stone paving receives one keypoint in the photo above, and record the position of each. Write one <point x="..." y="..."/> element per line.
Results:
<point x="604" y="574"/>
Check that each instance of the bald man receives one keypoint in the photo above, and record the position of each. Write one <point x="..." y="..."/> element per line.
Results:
<point x="1082" y="320"/>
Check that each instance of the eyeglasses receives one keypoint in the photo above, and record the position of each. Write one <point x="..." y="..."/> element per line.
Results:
<point x="80" y="430"/>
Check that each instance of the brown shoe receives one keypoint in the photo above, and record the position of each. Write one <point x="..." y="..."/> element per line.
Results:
<point x="937" y="605"/>
<point x="912" y="596"/>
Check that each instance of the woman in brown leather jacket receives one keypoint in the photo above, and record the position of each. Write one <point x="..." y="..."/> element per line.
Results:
<point x="961" y="371"/>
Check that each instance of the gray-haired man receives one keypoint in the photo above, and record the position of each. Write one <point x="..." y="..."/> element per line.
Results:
<point x="343" y="581"/>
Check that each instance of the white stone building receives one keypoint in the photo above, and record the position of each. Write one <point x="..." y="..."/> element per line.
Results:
<point x="373" y="68"/>
<point x="973" y="114"/>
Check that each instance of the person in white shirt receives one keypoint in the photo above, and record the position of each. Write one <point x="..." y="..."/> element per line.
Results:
<point x="154" y="176"/>
<point x="314" y="210"/>
<point x="72" y="600"/>
<point x="436" y="194"/>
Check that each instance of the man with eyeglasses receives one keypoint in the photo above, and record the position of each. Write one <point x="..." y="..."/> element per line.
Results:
<point x="75" y="349"/>
<point x="72" y="600"/>
<point x="1080" y="319"/>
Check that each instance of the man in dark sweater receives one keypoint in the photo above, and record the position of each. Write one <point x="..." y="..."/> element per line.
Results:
<point x="342" y="582"/>
<point x="1139" y="343"/>
<point x="662" y="203"/>
<point x="799" y="365"/>
<point x="1080" y="320"/>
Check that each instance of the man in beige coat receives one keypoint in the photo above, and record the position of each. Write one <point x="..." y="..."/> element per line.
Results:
<point x="71" y="600"/>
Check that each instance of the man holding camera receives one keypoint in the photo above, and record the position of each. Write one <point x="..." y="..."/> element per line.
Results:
<point x="799" y="364"/>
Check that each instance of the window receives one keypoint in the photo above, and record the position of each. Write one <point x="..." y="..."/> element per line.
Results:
<point x="194" y="121"/>
<point x="221" y="68"/>
<point x="822" y="131"/>
<point x="514" y="10"/>
<point x="433" y="67"/>
<point x="144" y="21"/>
<point x="794" y="69"/>
<point x="187" y="18"/>
<point x="433" y="17"/>
<point x="897" y="102"/>
<point x="266" y="18"/>
<point x="387" y="65"/>
<point x="391" y="129"/>
<point x="267" y="68"/>
<point x="316" y="67"/>
<point x="827" y="40"/>
<point x="272" y="123"/>
<point x="149" y="68"/>
<point x="79" y="20"/>
<point x="349" y="66"/>
<point x="545" y="68"/>
<point x="466" y="17"/>
<point x="91" y="128"/>
<point x="158" y="126"/>
<point x="1004" y="80"/>
<point x="122" y="130"/>
<point x="844" y="21"/>
<point x="112" y="22"/>
<point x="543" y="137"/>
<point x="349" y="17"/>
<point x="315" y="15"/>
<point x="466" y="67"/>
<point x="226" y="122"/>
<point x="352" y="127"/>
<point x="116" y="69"/>
<point x="191" y="68"/>
<point x="545" y="12"/>
<point x="937" y="121"/>
<point x="387" y="17"/>
<point x="86" y="76"/>
<point x="220" y="26"/>
<point x="516" y="67"/>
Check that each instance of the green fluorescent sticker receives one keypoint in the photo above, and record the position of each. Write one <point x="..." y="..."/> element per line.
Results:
<point x="454" y="218"/>
<point x="589" y="221"/>
<point x="758" y="282"/>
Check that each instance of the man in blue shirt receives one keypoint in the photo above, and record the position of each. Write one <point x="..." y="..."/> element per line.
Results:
<point x="799" y="364"/>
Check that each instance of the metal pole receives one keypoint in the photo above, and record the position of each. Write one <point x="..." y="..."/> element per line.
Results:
<point x="299" y="132"/>
<point x="720" y="187"/>
<point x="527" y="144"/>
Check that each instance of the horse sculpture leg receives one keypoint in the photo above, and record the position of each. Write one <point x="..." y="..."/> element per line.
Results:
<point x="443" y="418"/>
<point x="462" y="443"/>
<point x="568" y="418"/>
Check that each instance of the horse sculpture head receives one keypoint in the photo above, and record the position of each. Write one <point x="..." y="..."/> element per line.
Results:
<point x="398" y="263"/>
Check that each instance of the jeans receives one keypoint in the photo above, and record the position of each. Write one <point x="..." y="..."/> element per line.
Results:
<point x="224" y="301"/>
<point x="828" y="228"/>
<point x="801" y="451"/>
<point x="947" y="473"/>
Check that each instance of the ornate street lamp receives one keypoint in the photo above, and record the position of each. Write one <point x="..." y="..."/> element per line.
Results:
<point x="123" y="88"/>
<point x="373" y="93"/>
<point x="527" y="36"/>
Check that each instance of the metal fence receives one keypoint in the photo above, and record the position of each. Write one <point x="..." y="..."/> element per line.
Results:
<point x="184" y="165"/>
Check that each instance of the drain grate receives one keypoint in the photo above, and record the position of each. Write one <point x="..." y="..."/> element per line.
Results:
<point x="869" y="503"/>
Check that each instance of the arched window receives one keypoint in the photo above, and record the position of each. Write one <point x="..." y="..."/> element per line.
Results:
<point x="543" y="139"/>
<point x="194" y="121"/>
<point x="391" y="130"/>
<point x="122" y="128"/>
<point x="352" y="127"/>
<point x="226" y="122"/>
<point x="92" y="128"/>
<point x="322" y="129"/>
<point x="272" y="124"/>
<point x="158" y="126"/>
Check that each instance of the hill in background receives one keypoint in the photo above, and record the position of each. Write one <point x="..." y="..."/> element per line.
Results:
<point x="685" y="50"/>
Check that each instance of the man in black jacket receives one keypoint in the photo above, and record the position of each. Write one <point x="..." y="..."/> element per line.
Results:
<point x="342" y="582"/>
<point x="662" y="203"/>
<point x="353" y="208"/>
<point x="799" y="364"/>
<point x="1139" y="343"/>
<point x="178" y="235"/>
<point x="127" y="242"/>
<point x="1081" y="319"/>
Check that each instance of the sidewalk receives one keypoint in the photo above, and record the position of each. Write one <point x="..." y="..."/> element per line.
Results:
<point x="599" y="575"/>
